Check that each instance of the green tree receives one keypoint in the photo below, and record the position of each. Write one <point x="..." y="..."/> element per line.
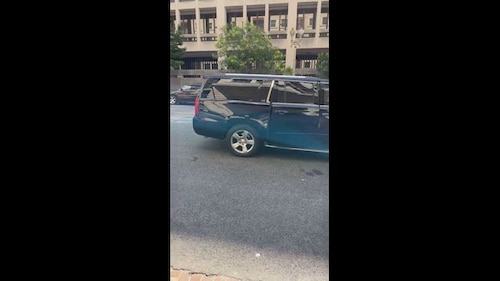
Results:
<point x="249" y="50"/>
<point x="289" y="71"/>
<point x="323" y="65"/>
<point x="176" y="52"/>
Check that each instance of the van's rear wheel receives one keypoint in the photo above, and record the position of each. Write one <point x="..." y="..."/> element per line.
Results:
<point x="243" y="141"/>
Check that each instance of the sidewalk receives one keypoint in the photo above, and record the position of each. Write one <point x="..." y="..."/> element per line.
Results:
<point x="186" y="275"/>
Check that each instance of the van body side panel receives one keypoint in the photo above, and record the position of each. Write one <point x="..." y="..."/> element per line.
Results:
<point x="209" y="126"/>
<point x="324" y="126"/>
<point x="294" y="125"/>
<point x="216" y="117"/>
<point x="252" y="113"/>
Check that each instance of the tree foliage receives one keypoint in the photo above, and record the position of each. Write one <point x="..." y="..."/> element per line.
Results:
<point x="249" y="50"/>
<point x="176" y="52"/>
<point x="323" y="65"/>
<point x="289" y="71"/>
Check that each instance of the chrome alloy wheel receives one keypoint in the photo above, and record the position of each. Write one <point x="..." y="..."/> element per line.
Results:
<point x="242" y="141"/>
<point x="173" y="100"/>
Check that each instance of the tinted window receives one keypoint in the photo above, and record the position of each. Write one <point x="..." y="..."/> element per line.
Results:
<point x="240" y="89"/>
<point x="294" y="92"/>
<point x="325" y="88"/>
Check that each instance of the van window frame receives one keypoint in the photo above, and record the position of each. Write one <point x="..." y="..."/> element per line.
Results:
<point x="268" y="100"/>
<point x="272" y="78"/>
<point x="316" y="87"/>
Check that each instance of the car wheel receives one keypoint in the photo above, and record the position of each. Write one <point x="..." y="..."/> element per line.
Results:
<point x="243" y="141"/>
<point x="173" y="100"/>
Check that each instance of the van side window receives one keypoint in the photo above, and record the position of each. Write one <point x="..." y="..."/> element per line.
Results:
<point x="294" y="92"/>
<point x="241" y="89"/>
<point x="278" y="93"/>
<point x="323" y="97"/>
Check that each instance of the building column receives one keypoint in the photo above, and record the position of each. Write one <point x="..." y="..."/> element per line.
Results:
<point x="245" y="17"/>
<point x="221" y="18"/>
<point x="177" y="18"/>
<point x="291" y="52"/>
<point x="318" y="20"/>
<point x="266" y="18"/>
<point x="198" y="24"/>
<point x="221" y="22"/>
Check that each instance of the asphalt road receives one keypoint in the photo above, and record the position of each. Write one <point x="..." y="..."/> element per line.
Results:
<point x="261" y="218"/>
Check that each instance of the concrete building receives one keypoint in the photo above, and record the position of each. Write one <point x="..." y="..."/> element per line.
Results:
<point x="201" y="22"/>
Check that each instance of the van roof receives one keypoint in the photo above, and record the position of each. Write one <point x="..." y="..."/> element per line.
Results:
<point x="268" y="77"/>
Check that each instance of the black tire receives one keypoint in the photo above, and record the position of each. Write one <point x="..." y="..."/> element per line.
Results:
<point x="243" y="141"/>
<point x="173" y="100"/>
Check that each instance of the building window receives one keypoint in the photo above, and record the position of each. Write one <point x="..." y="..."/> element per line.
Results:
<point x="306" y="19"/>
<point x="208" y="22"/>
<point x="188" y="24"/>
<point x="279" y="15"/>
<point x="200" y="63"/>
<point x="256" y="16"/>
<point x="325" y="15"/>
<point x="258" y="22"/>
<point x="300" y="23"/>
<point x="284" y="24"/>
<point x="307" y="61"/>
<point x="273" y="23"/>
<point x="236" y="18"/>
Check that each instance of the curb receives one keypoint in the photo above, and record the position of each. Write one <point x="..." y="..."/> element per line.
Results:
<point x="187" y="275"/>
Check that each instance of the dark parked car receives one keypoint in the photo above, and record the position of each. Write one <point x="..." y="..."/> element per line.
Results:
<point x="186" y="94"/>
<point x="254" y="110"/>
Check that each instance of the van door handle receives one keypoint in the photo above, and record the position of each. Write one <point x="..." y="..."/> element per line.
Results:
<point x="281" y="111"/>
